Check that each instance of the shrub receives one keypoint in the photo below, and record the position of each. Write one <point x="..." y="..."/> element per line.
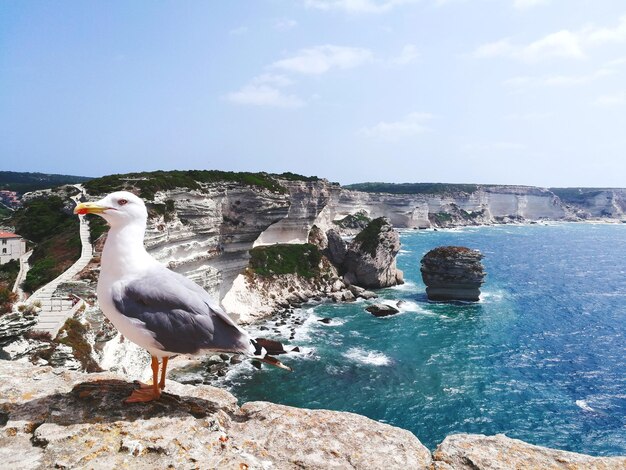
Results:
<point x="301" y="259"/>
<point x="369" y="238"/>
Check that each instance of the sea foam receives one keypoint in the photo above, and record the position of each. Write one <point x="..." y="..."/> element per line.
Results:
<point x="375" y="358"/>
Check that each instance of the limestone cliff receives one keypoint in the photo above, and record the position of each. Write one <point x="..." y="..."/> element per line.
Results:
<point x="206" y="234"/>
<point x="307" y="200"/>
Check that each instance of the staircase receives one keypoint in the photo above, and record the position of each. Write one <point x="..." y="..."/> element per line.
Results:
<point x="55" y="310"/>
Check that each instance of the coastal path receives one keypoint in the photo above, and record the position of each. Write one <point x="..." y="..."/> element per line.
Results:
<point x="54" y="309"/>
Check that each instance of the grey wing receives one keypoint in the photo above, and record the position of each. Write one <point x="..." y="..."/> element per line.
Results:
<point x="180" y="314"/>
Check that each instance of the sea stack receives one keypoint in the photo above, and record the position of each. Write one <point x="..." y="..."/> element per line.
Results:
<point x="453" y="273"/>
<point x="370" y="259"/>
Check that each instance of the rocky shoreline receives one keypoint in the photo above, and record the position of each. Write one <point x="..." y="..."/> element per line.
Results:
<point x="51" y="418"/>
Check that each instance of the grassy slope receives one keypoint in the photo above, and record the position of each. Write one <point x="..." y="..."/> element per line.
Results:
<point x="302" y="259"/>
<point x="56" y="234"/>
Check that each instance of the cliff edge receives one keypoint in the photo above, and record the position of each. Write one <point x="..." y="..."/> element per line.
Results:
<point x="53" y="418"/>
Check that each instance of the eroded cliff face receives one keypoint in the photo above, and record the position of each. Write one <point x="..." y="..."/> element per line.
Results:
<point x="487" y="205"/>
<point x="308" y="199"/>
<point x="206" y="235"/>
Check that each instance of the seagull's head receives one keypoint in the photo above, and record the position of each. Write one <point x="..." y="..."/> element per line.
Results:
<point x="118" y="209"/>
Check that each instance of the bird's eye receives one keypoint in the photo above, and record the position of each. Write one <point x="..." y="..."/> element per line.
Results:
<point x="122" y="202"/>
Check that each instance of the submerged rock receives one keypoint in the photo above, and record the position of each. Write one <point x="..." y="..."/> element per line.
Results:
<point x="453" y="273"/>
<point x="478" y="452"/>
<point x="382" y="310"/>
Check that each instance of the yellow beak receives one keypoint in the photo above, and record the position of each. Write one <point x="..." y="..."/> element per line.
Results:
<point x="89" y="208"/>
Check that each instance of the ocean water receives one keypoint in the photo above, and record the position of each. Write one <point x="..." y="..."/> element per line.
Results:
<point x="542" y="357"/>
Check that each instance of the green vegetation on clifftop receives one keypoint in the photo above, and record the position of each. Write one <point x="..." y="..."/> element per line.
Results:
<point x="369" y="238"/>
<point x="301" y="259"/>
<point x="414" y="188"/>
<point x="148" y="183"/>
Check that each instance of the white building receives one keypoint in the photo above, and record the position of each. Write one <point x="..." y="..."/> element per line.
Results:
<point x="12" y="246"/>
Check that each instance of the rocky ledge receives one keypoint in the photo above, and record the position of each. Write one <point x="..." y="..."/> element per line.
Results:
<point x="478" y="452"/>
<point x="453" y="273"/>
<point x="54" y="418"/>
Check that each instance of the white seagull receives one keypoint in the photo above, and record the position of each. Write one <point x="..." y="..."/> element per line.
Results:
<point x="155" y="308"/>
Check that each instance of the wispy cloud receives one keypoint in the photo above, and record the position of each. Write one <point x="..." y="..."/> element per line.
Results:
<point x="358" y="6"/>
<point x="557" y="80"/>
<point x="319" y="60"/>
<point x="265" y="90"/>
<point x="563" y="44"/>
<point x="284" y="24"/>
<point x="411" y="125"/>
<point x="408" y="54"/>
<point x="616" y="99"/>
<point x="525" y="4"/>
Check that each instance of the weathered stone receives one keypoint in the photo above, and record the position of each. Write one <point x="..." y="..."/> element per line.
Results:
<point x="453" y="273"/>
<point x="15" y="324"/>
<point x="337" y="248"/>
<point x="347" y="296"/>
<point x="63" y="356"/>
<point x="478" y="452"/>
<point x="382" y="310"/>
<point x="362" y="293"/>
<point x="337" y="285"/>
<point x="22" y="348"/>
<point x="318" y="238"/>
<point x="68" y="419"/>
<point x="371" y="256"/>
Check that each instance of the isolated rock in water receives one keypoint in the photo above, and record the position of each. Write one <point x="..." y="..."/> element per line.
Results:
<point x="75" y="420"/>
<point x="371" y="256"/>
<point x="336" y="250"/>
<point x="478" y="452"/>
<point x="453" y="273"/>
<point x="382" y="310"/>
<point x="318" y="238"/>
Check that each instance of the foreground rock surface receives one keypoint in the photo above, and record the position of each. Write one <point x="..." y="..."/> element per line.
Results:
<point x="478" y="452"/>
<point x="453" y="273"/>
<point x="50" y="418"/>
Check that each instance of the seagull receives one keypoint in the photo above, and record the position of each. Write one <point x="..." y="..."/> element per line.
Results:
<point x="154" y="307"/>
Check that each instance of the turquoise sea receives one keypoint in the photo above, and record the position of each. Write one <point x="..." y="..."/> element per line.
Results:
<point x="541" y="358"/>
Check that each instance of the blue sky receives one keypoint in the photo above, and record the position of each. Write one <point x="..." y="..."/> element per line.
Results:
<point x="470" y="91"/>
